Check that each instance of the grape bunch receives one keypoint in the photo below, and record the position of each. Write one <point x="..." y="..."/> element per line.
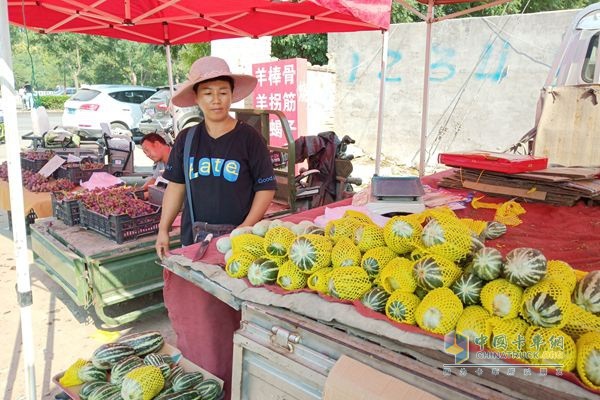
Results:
<point x="115" y="201"/>
<point x="35" y="182"/>
<point x="85" y="166"/>
<point x="37" y="155"/>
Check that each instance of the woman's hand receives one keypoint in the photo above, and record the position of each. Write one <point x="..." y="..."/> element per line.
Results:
<point x="162" y="244"/>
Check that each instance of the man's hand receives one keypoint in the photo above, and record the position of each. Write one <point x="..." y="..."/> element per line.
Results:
<point x="162" y="244"/>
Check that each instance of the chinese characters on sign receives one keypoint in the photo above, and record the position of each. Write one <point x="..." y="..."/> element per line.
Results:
<point x="279" y="88"/>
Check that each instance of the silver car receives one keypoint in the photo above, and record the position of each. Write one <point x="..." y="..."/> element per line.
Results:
<point x="157" y="115"/>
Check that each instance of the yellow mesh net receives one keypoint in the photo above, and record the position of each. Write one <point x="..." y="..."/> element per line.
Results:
<point x="507" y="212"/>
<point x="588" y="359"/>
<point x="319" y="279"/>
<point x="348" y="283"/>
<point x="278" y="240"/>
<point x="501" y="298"/>
<point x="401" y="307"/>
<point x="362" y="217"/>
<point x="147" y="380"/>
<point x="439" y="311"/>
<point x="580" y="322"/>
<point x="508" y="335"/>
<point x="238" y="264"/>
<point x="398" y="275"/>
<point x="473" y="324"/>
<point x="474" y="225"/>
<point x="368" y="237"/>
<point x="290" y="277"/>
<point x="343" y="227"/>
<point x="375" y="259"/>
<point x="401" y="233"/>
<point x="248" y="243"/>
<point x="311" y="252"/>
<point x="70" y="377"/>
<point x="579" y="274"/>
<point x="445" y="235"/>
<point x="551" y="346"/>
<point x="546" y="304"/>
<point x="561" y="272"/>
<point x="433" y="271"/>
<point x="345" y="254"/>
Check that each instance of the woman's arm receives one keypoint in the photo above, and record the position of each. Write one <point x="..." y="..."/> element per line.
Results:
<point x="260" y="204"/>
<point x="171" y="205"/>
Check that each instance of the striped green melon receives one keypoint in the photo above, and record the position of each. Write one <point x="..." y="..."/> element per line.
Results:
<point x="185" y="395"/>
<point x="104" y="392"/>
<point x="433" y="271"/>
<point x="143" y="342"/>
<point x="433" y="234"/>
<point x="311" y="252"/>
<point x="209" y="389"/>
<point x="487" y="263"/>
<point x="494" y="230"/>
<point x="187" y="380"/>
<point x="120" y="369"/>
<point x="401" y="307"/>
<point x="420" y="292"/>
<point x="90" y="373"/>
<point x="156" y="359"/>
<point x="524" y="266"/>
<point x="262" y="271"/>
<point x="587" y="293"/>
<point x="176" y="370"/>
<point x="542" y="310"/>
<point x="375" y="299"/>
<point x="109" y="354"/>
<point x="375" y="259"/>
<point x="477" y="243"/>
<point x="278" y="241"/>
<point x="468" y="288"/>
<point x="89" y="387"/>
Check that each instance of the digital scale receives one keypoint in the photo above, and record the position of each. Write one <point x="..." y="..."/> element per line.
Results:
<point x="396" y="195"/>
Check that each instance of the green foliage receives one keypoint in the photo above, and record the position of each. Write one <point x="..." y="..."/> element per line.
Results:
<point x="311" y="47"/>
<point x="52" y="102"/>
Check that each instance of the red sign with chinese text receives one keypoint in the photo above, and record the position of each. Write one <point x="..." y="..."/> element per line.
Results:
<point x="280" y="85"/>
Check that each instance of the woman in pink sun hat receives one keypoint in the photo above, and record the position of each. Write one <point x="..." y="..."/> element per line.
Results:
<point x="232" y="184"/>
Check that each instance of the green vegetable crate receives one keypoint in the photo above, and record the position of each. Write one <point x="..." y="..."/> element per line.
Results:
<point x="122" y="227"/>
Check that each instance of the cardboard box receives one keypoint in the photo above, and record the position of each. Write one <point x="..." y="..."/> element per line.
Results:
<point x="174" y="352"/>
<point x="491" y="161"/>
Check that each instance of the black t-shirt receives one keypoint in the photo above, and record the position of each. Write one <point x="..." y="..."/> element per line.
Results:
<point x="225" y="174"/>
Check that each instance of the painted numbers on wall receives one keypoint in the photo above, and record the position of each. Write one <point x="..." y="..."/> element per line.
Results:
<point x="492" y="64"/>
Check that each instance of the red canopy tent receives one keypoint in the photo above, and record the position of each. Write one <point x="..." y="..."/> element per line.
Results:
<point x="162" y="22"/>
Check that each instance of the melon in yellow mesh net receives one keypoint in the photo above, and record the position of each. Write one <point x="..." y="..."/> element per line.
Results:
<point x="278" y="241"/>
<point x="550" y="346"/>
<point x="360" y="216"/>
<point x="508" y="335"/>
<point x="579" y="274"/>
<point x="345" y="254"/>
<point x="580" y="322"/>
<point x="318" y="280"/>
<point x="348" y="283"/>
<point x="248" y="243"/>
<point x="401" y="233"/>
<point x="434" y="271"/>
<point x="70" y="377"/>
<point x="474" y="225"/>
<point x="561" y="272"/>
<point x="546" y="304"/>
<point x="439" y="311"/>
<point x="401" y="307"/>
<point x="472" y="323"/>
<point x="142" y="383"/>
<point x="343" y="227"/>
<point x="445" y="235"/>
<point x="375" y="259"/>
<point x="310" y="252"/>
<point x="368" y="237"/>
<point x="501" y="298"/>
<point x="588" y="359"/>
<point x="238" y="264"/>
<point x="397" y="275"/>
<point x="290" y="277"/>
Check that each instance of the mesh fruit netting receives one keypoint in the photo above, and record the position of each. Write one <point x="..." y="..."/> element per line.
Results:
<point x="561" y="272"/>
<point x="398" y="275"/>
<point x="546" y="304"/>
<point x="401" y="307"/>
<point x="345" y="254"/>
<point x="508" y="335"/>
<point x="290" y="277"/>
<point x="375" y="259"/>
<point x="362" y="217"/>
<point x="343" y="227"/>
<point x="588" y="359"/>
<point x="552" y="346"/>
<point x="248" y="243"/>
<point x="580" y="322"/>
<point x="439" y="311"/>
<point x="348" y="283"/>
<point x="368" y="237"/>
<point x="147" y="379"/>
<point x="278" y="240"/>
<point x="444" y="234"/>
<point x="70" y="377"/>
<point x="501" y="298"/>
<point x="318" y="280"/>
<point x="473" y="324"/>
<point x="311" y="252"/>
<point x="238" y="264"/>
<point x="402" y="233"/>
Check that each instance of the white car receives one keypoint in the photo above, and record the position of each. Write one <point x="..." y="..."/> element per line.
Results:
<point x="116" y="105"/>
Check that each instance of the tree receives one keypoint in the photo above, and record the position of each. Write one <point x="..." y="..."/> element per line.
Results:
<point x="311" y="47"/>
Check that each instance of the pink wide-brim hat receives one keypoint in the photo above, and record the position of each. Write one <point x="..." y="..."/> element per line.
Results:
<point x="206" y="68"/>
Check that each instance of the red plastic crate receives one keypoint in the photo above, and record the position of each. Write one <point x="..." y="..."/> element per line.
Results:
<point x="491" y="161"/>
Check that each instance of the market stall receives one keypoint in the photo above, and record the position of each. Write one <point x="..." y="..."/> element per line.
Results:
<point x="289" y="341"/>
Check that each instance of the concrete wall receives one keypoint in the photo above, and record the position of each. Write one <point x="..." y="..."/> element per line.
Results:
<point x="321" y="102"/>
<point x="486" y="74"/>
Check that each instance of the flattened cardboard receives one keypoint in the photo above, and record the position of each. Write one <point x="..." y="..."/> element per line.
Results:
<point x="353" y="380"/>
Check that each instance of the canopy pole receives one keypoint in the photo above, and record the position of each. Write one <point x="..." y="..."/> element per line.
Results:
<point x="171" y="85"/>
<point x="9" y="105"/>
<point x="384" y="53"/>
<point x="425" y="110"/>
